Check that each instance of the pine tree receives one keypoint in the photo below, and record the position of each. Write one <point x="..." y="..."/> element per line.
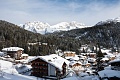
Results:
<point x="99" y="56"/>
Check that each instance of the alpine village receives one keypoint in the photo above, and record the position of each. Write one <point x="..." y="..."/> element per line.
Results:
<point x="88" y="53"/>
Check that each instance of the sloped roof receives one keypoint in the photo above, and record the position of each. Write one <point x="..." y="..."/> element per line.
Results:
<point x="105" y="59"/>
<point x="109" y="73"/>
<point x="12" y="49"/>
<point x="115" y="60"/>
<point x="24" y="55"/>
<point x="52" y="59"/>
<point x="69" y="52"/>
<point x="72" y="58"/>
<point x="74" y="62"/>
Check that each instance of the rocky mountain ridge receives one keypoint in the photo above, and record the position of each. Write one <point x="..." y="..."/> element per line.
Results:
<point x="43" y="28"/>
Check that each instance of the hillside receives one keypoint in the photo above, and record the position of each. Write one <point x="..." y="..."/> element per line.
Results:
<point x="12" y="35"/>
<point x="106" y="34"/>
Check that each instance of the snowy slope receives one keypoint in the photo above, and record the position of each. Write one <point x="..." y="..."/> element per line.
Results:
<point x="7" y="67"/>
<point x="109" y="21"/>
<point x="42" y="28"/>
<point x="8" y="76"/>
<point x="36" y="26"/>
<point x="65" y="26"/>
<point x="8" y="72"/>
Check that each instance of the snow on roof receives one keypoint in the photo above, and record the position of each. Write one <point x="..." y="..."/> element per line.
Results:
<point x="74" y="62"/>
<point x="53" y="59"/>
<point x="24" y="55"/>
<point x="91" y="59"/>
<point x="109" y="55"/>
<point x="105" y="59"/>
<point x="69" y="52"/>
<point x="91" y="53"/>
<point x="25" y="60"/>
<point x="109" y="73"/>
<point x="83" y="53"/>
<point x="115" y="60"/>
<point x="105" y="50"/>
<point x="88" y="53"/>
<point x="73" y="58"/>
<point x="12" y="49"/>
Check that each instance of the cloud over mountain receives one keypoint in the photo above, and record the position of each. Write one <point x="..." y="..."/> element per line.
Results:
<point x="55" y="11"/>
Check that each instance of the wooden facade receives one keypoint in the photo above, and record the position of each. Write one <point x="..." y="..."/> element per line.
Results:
<point x="92" y="55"/>
<point x="18" y="54"/>
<point x="15" y="54"/>
<point x="69" y="54"/>
<point x="41" y="68"/>
<point x="64" y="68"/>
<point x="75" y="65"/>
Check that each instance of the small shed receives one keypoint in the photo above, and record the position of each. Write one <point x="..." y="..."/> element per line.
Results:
<point x="24" y="56"/>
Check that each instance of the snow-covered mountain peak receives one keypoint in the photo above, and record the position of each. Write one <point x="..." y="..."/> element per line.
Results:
<point x="40" y="27"/>
<point x="67" y="25"/>
<point x="36" y="26"/>
<point x="109" y="21"/>
<point x="117" y="19"/>
<point x="60" y="25"/>
<point x="74" y="23"/>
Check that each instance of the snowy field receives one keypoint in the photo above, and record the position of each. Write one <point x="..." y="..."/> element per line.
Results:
<point x="8" y="72"/>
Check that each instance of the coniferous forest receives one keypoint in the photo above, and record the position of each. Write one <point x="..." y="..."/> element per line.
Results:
<point x="13" y="35"/>
<point x="106" y="35"/>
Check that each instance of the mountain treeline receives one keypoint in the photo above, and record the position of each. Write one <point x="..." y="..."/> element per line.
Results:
<point x="106" y="35"/>
<point x="12" y="35"/>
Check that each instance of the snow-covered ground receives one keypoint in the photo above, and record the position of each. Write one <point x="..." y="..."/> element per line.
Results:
<point x="11" y="71"/>
<point x="8" y="76"/>
<point x="82" y="76"/>
<point x="8" y="72"/>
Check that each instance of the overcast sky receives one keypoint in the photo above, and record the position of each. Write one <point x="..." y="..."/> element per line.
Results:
<point x="88" y="12"/>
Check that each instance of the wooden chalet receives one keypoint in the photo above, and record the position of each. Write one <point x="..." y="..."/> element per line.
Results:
<point x="74" y="64"/>
<point x="90" y="55"/>
<point x="69" y="54"/>
<point x="24" y="56"/>
<point x="50" y="65"/>
<point x="13" y="52"/>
